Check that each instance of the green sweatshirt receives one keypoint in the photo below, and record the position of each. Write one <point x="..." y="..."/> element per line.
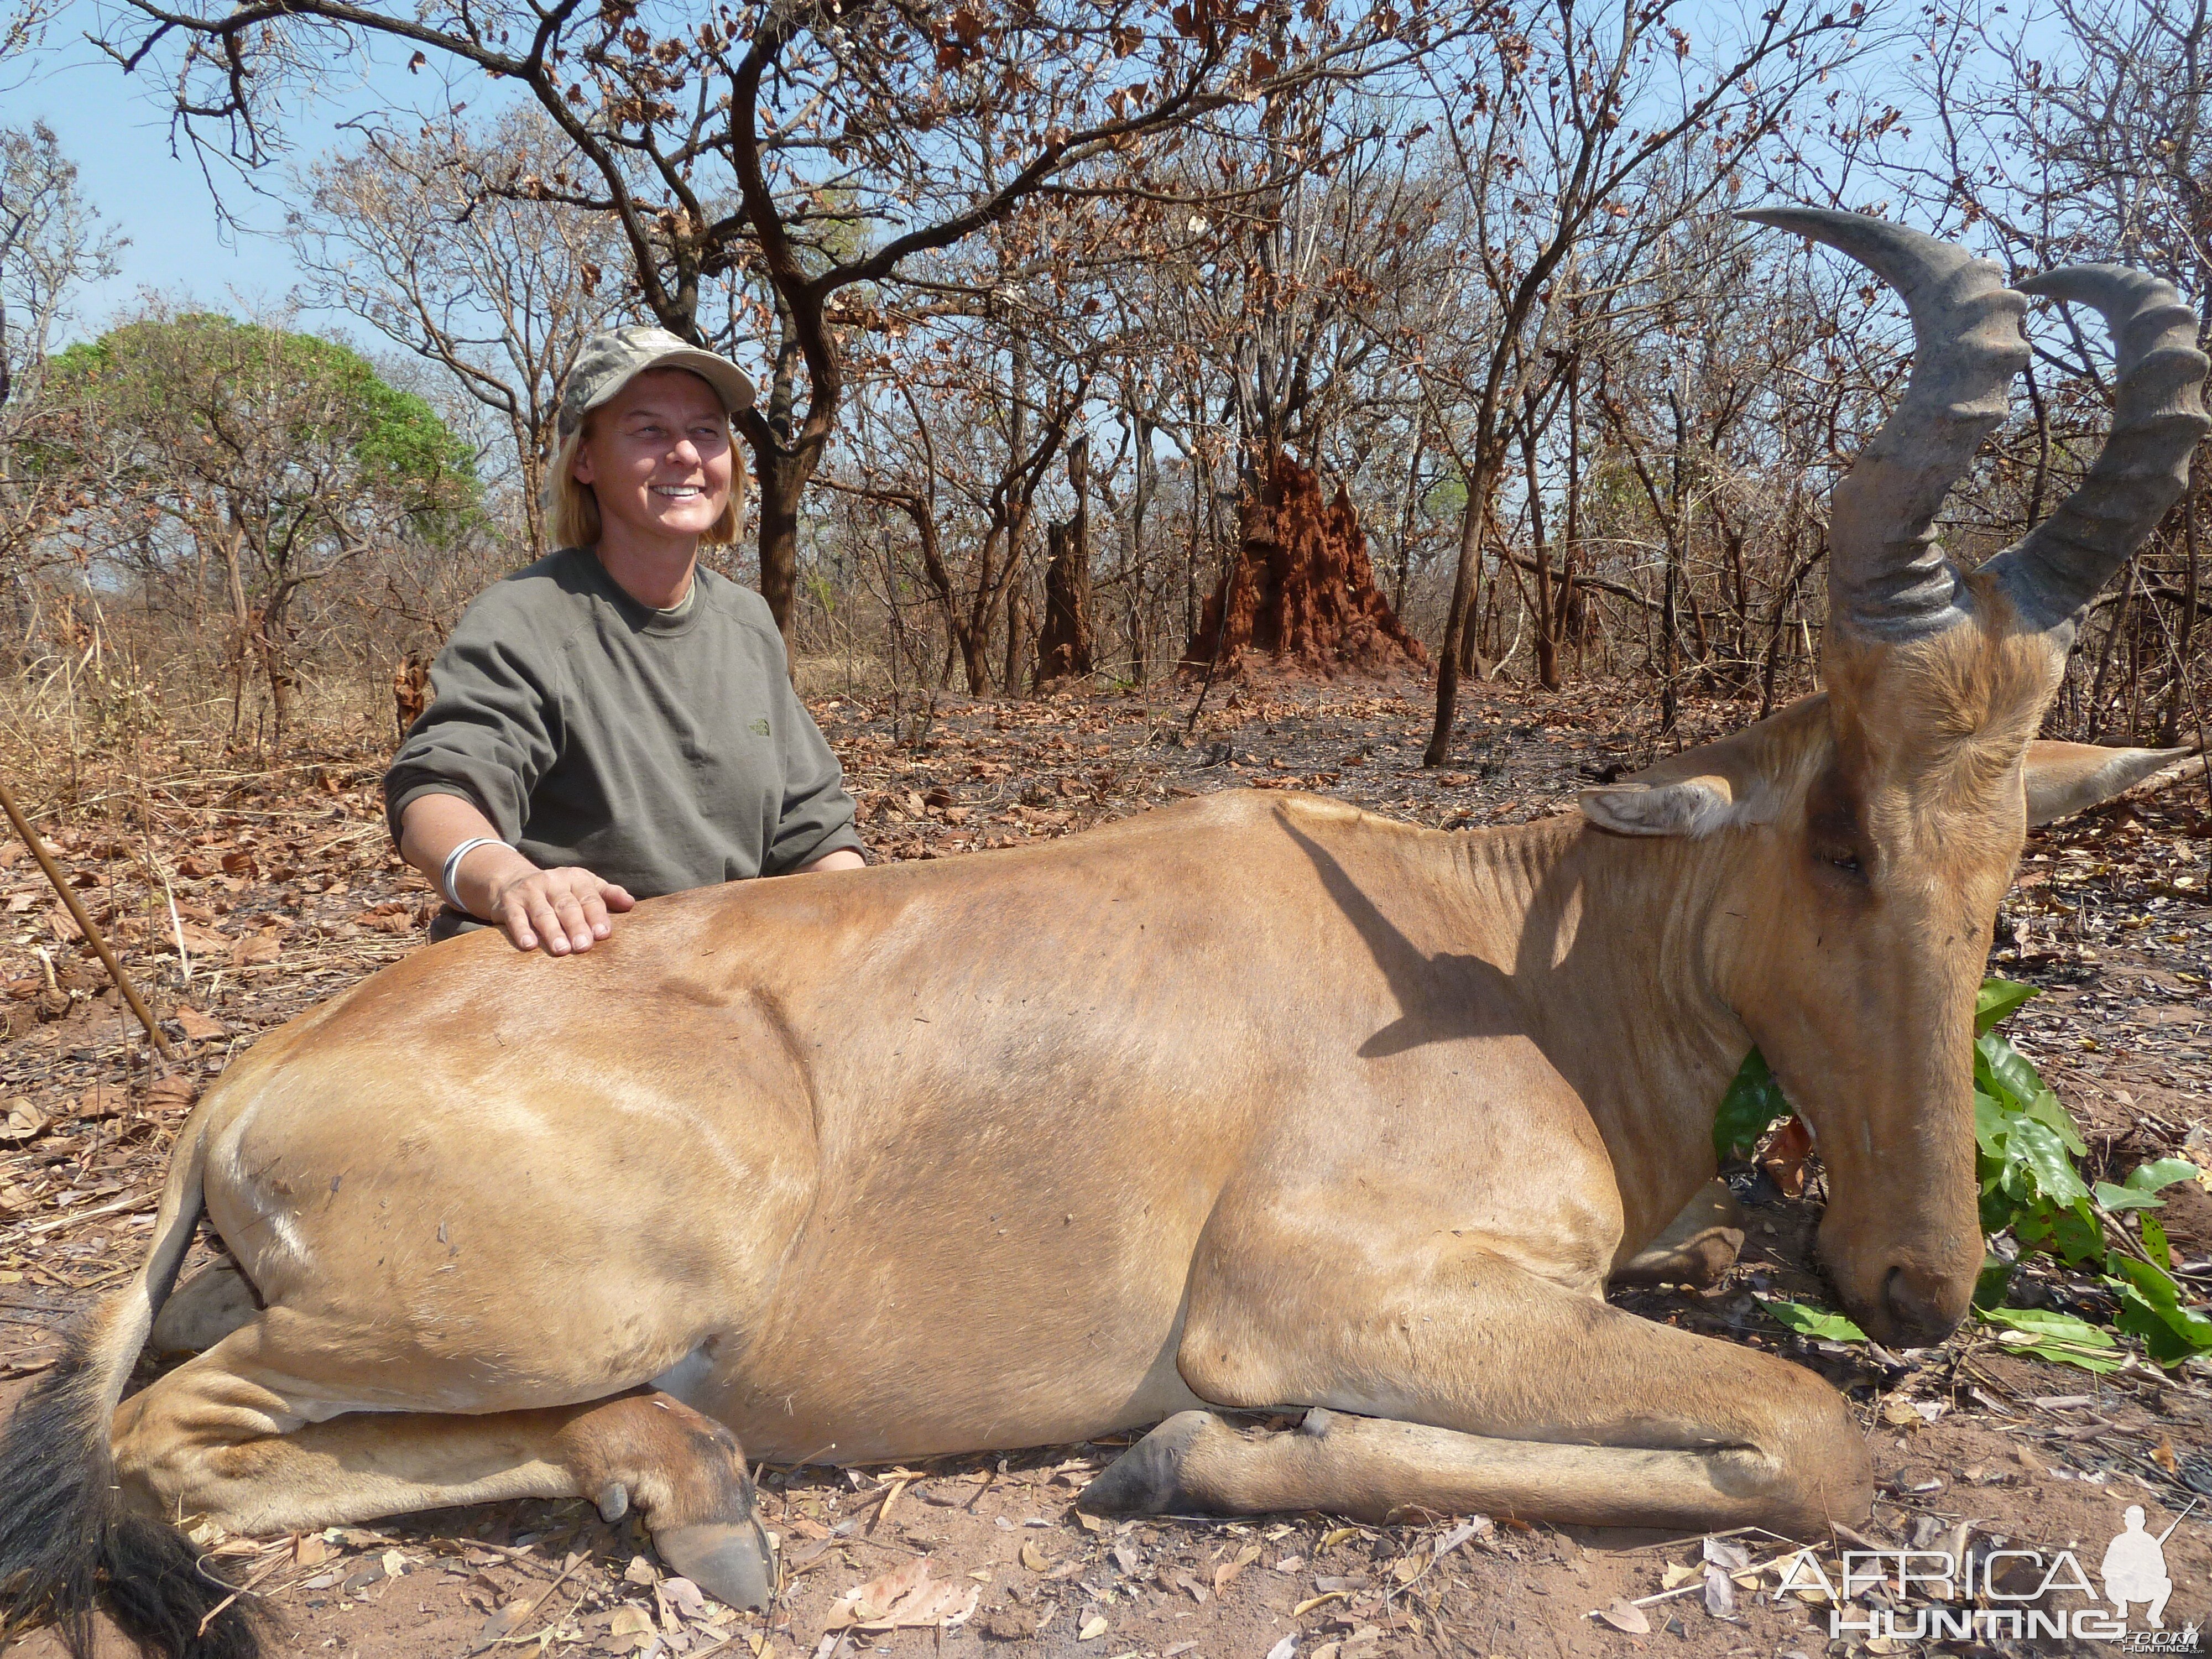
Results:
<point x="660" y="750"/>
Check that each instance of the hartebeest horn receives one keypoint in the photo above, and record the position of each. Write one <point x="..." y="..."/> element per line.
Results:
<point x="1887" y="574"/>
<point x="2158" y="416"/>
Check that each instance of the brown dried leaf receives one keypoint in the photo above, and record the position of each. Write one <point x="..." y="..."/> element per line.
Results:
<point x="1720" y="1593"/>
<point x="170" y="1094"/>
<point x="1625" y="1617"/>
<point x="903" y="1597"/>
<point x="1225" y="1574"/>
<point x="263" y="946"/>
<point x="25" y="1122"/>
<point x="1783" y="1156"/>
<point x="501" y="1622"/>
<point x="201" y="942"/>
<point x="198" y="1026"/>
<point x="682" y="1594"/>
<point x="102" y="1100"/>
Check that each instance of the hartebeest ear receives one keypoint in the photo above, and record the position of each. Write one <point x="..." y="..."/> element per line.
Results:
<point x="1697" y="792"/>
<point x="2065" y="778"/>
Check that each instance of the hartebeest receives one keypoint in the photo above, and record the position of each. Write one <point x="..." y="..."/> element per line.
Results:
<point x="1259" y="1101"/>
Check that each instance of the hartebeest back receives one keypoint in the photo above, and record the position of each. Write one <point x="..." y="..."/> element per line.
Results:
<point x="1256" y="1102"/>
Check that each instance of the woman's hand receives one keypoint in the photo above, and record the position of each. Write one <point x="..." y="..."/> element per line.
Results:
<point x="558" y="910"/>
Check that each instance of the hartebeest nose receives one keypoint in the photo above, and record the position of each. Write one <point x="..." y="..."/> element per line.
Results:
<point x="1917" y="1302"/>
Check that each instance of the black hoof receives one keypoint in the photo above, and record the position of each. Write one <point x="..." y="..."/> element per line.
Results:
<point x="731" y="1561"/>
<point x="1147" y="1478"/>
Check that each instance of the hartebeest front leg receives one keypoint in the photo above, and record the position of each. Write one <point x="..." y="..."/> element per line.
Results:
<point x="1477" y="1386"/>
<point x="232" y="1437"/>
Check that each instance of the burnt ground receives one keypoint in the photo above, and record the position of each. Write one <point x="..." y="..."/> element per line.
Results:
<point x="285" y="892"/>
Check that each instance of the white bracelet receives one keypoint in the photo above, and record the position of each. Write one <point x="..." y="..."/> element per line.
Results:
<point x="452" y="868"/>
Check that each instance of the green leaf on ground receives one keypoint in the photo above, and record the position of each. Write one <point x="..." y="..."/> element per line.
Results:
<point x="1811" y="1321"/>
<point x="2071" y="1232"/>
<point x="2060" y="1338"/>
<point x="2151" y="1177"/>
<point x="2150" y="1308"/>
<point x="2116" y="1199"/>
<point x="1998" y="998"/>
<point x="1993" y="1281"/>
<point x="2155" y="1242"/>
<point x="2036" y="1149"/>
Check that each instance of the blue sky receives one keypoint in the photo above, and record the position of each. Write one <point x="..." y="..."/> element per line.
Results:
<point x="115" y="128"/>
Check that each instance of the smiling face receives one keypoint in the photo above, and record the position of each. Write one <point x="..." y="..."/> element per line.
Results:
<point x="656" y="456"/>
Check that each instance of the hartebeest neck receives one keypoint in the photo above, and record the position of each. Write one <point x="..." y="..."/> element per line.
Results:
<point x="1619" y="949"/>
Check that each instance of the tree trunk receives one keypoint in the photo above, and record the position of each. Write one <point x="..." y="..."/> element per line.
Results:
<point x="1064" y="648"/>
<point x="1016" y="609"/>
<point x="1455" y="620"/>
<point x="1547" y="638"/>
<point x="2170" y="728"/>
<point x="1133" y="594"/>
<point x="1406" y="519"/>
<point x="1570" y="623"/>
<point x="268" y="632"/>
<point x="784" y="475"/>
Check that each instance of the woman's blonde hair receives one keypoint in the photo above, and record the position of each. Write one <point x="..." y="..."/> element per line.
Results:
<point x="572" y="511"/>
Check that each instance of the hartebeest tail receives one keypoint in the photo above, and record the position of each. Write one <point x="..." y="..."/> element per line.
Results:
<point x="67" y="1545"/>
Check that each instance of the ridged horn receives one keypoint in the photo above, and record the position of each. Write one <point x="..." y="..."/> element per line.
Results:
<point x="1887" y="574"/>
<point x="2158" y="417"/>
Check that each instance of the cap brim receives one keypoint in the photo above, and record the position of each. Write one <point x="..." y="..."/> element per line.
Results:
<point x="730" y="382"/>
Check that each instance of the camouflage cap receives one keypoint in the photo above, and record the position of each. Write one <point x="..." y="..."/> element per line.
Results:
<point x="611" y="361"/>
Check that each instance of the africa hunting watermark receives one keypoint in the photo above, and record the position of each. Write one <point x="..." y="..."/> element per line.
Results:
<point x="2016" y="1590"/>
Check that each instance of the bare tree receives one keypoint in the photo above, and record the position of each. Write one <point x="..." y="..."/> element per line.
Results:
<point x="792" y="153"/>
<point x="435" y="241"/>
<point x="1553" y="134"/>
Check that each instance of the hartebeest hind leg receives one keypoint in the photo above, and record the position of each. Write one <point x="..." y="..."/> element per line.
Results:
<point x="1479" y="1386"/>
<point x="230" y="1436"/>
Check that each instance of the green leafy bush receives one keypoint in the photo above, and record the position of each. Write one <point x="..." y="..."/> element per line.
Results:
<point x="2026" y="1144"/>
<point x="1752" y="1105"/>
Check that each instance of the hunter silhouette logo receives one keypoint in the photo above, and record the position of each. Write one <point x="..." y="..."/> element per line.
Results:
<point x="2135" y="1568"/>
<point x="2003" y="1593"/>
